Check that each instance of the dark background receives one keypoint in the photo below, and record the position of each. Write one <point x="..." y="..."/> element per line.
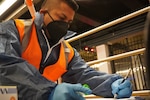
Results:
<point x="92" y="13"/>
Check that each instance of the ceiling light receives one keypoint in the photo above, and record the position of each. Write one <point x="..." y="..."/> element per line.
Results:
<point x="5" y="4"/>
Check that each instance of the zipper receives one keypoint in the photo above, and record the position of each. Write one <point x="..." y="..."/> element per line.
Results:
<point x="50" y="48"/>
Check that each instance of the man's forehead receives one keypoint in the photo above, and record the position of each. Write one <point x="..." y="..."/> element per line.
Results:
<point x="67" y="10"/>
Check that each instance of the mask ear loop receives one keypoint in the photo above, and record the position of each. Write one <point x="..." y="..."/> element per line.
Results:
<point x="54" y="20"/>
<point x="50" y="16"/>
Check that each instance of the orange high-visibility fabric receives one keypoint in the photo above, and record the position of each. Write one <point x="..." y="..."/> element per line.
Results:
<point x="58" y="68"/>
<point x="33" y="54"/>
<point x="20" y="26"/>
<point x="71" y="53"/>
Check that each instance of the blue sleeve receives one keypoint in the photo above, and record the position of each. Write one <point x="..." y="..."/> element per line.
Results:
<point x="80" y="72"/>
<point x="15" y="71"/>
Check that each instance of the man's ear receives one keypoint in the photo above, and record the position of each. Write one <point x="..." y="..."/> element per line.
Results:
<point x="43" y="11"/>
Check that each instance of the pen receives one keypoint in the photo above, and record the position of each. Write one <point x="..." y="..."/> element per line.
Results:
<point x="115" y="95"/>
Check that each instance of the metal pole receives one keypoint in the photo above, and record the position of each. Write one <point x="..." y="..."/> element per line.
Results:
<point x="117" y="21"/>
<point x="123" y="55"/>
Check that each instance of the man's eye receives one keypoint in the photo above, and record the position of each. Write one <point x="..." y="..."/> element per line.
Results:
<point x="69" y="22"/>
<point x="62" y="18"/>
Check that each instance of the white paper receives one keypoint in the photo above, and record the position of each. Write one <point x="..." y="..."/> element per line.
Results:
<point x="131" y="98"/>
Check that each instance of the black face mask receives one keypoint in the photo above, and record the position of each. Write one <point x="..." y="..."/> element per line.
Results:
<point x="56" y="30"/>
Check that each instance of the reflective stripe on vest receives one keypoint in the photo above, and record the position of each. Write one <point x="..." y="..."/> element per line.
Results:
<point x="31" y="48"/>
<point x="33" y="54"/>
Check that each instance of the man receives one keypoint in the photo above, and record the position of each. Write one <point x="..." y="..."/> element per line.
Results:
<point x="28" y="47"/>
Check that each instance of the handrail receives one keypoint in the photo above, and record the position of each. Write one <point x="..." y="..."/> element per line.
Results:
<point x="20" y="10"/>
<point x="127" y="54"/>
<point x="107" y="25"/>
<point x="135" y="93"/>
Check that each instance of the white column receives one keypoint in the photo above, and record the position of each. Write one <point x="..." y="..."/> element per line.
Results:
<point x="102" y="52"/>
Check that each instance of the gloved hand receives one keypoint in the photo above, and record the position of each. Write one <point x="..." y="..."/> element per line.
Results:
<point x="66" y="91"/>
<point x="123" y="90"/>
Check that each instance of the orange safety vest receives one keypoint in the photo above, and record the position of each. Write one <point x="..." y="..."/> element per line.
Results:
<point x="31" y="50"/>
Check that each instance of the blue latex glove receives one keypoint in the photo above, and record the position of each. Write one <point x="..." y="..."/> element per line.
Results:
<point x="66" y="91"/>
<point x="123" y="90"/>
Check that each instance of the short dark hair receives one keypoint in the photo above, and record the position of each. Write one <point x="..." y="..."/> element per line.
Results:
<point x="72" y="3"/>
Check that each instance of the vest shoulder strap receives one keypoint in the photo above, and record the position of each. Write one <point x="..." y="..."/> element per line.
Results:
<point x="24" y="27"/>
<point x="69" y="52"/>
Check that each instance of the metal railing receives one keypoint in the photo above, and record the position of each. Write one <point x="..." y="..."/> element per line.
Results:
<point x="123" y="55"/>
<point x="112" y="23"/>
<point x="107" y="25"/>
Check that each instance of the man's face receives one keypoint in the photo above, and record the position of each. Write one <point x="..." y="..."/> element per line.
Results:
<point x="63" y="13"/>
